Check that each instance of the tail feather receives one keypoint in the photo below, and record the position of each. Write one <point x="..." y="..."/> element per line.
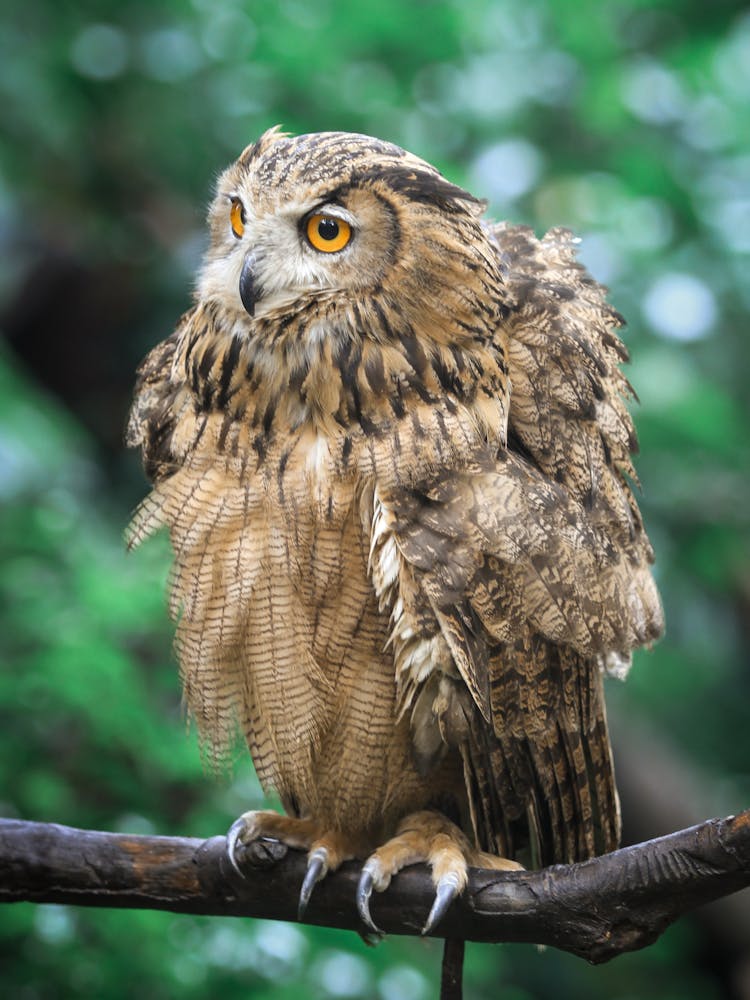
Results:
<point x="541" y="785"/>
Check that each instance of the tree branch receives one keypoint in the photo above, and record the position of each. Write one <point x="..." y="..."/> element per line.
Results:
<point x="597" y="909"/>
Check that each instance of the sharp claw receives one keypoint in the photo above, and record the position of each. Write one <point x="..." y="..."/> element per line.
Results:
<point x="233" y="838"/>
<point x="445" y="893"/>
<point x="317" y="866"/>
<point x="364" y="891"/>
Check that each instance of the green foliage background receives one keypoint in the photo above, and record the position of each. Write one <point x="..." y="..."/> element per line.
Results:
<point x="627" y="121"/>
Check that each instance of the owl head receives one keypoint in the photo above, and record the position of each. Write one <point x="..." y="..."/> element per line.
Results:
<point x="345" y="226"/>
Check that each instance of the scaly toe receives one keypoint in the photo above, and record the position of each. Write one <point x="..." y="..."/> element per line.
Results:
<point x="445" y="892"/>
<point x="317" y="866"/>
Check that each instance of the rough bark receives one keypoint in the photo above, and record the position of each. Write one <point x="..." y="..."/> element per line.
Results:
<point x="597" y="909"/>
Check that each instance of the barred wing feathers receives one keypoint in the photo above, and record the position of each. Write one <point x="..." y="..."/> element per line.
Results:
<point x="537" y="568"/>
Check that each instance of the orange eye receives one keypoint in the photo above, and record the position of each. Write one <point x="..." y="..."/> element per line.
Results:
<point x="327" y="233"/>
<point x="237" y="218"/>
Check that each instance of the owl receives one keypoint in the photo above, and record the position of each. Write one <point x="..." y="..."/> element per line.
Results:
<point x="391" y="447"/>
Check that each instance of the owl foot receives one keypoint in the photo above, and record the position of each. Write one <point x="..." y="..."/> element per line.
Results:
<point x="430" y="838"/>
<point x="265" y="837"/>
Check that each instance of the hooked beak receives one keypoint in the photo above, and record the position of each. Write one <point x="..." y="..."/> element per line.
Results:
<point x="249" y="292"/>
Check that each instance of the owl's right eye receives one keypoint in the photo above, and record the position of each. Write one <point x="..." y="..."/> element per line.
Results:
<point x="237" y="218"/>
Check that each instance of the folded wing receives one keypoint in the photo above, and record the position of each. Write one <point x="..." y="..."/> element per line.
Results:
<point x="536" y="567"/>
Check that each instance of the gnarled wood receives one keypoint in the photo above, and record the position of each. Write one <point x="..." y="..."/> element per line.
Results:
<point x="596" y="909"/>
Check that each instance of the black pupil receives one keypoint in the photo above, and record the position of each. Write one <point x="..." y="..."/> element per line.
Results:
<point x="328" y="229"/>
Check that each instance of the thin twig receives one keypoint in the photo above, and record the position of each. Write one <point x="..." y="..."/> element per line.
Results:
<point x="451" y="978"/>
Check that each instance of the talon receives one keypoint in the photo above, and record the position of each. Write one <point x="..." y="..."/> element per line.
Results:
<point x="446" y="892"/>
<point x="233" y="838"/>
<point x="364" y="891"/>
<point x="317" y="866"/>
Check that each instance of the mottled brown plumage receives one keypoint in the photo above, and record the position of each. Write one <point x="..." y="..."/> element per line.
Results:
<point x="396" y="479"/>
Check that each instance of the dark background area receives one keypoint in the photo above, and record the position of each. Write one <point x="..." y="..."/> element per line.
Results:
<point x="628" y="122"/>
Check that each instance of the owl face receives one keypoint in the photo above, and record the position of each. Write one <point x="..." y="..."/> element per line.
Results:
<point x="332" y="218"/>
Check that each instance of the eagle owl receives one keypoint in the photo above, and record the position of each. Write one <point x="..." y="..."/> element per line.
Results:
<point x="391" y="448"/>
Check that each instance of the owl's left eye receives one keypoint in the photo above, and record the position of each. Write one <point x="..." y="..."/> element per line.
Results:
<point x="327" y="233"/>
<point x="237" y="217"/>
